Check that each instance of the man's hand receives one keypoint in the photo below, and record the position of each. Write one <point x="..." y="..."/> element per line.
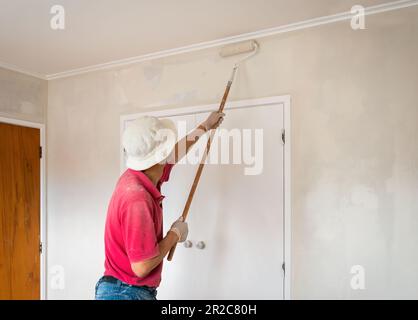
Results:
<point x="183" y="146"/>
<point x="181" y="229"/>
<point x="214" y="120"/>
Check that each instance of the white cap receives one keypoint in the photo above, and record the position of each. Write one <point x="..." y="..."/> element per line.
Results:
<point x="148" y="141"/>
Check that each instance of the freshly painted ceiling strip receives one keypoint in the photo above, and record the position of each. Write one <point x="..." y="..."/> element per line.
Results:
<point x="234" y="39"/>
<point x="229" y="40"/>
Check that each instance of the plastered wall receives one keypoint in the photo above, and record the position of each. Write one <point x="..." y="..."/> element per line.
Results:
<point x="354" y="152"/>
<point x="22" y="96"/>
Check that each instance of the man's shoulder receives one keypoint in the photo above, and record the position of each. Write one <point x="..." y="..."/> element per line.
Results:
<point x="129" y="188"/>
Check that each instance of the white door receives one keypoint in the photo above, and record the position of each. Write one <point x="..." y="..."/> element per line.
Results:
<point x="238" y="216"/>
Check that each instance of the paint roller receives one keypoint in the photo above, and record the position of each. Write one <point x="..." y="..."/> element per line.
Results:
<point x="250" y="48"/>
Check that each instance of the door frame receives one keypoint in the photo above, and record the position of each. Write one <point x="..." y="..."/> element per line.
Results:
<point x="43" y="216"/>
<point x="285" y="101"/>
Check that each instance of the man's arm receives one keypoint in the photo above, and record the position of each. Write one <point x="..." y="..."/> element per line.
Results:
<point x="177" y="233"/>
<point x="184" y="145"/>
<point x="143" y="268"/>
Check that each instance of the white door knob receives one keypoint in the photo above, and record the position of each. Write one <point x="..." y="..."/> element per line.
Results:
<point x="188" y="244"/>
<point x="200" y="245"/>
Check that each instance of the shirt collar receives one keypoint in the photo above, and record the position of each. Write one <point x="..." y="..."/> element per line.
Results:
<point x="148" y="185"/>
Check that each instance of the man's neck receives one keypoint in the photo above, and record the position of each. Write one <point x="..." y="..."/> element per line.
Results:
<point x="153" y="174"/>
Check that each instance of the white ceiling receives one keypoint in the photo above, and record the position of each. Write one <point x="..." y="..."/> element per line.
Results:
<point x="101" y="31"/>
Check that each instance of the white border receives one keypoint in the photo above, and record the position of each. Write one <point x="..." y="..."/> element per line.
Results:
<point x="344" y="16"/>
<point x="43" y="216"/>
<point x="283" y="100"/>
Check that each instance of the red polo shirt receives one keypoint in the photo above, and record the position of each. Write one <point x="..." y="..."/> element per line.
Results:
<point x="134" y="227"/>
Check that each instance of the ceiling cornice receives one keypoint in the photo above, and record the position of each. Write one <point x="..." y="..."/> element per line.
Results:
<point x="221" y="42"/>
<point x="11" y="67"/>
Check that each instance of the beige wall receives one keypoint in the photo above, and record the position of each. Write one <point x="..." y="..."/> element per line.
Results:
<point x="354" y="159"/>
<point x="22" y="97"/>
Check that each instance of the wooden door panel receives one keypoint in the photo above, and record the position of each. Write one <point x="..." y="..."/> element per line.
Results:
<point x="19" y="212"/>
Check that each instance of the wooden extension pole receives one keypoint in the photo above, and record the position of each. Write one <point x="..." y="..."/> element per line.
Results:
<point x="202" y="164"/>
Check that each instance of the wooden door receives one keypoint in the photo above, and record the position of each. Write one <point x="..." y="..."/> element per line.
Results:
<point x="19" y="212"/>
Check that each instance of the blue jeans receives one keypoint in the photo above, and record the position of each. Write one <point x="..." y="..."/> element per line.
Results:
<point x="118" y="290"/>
